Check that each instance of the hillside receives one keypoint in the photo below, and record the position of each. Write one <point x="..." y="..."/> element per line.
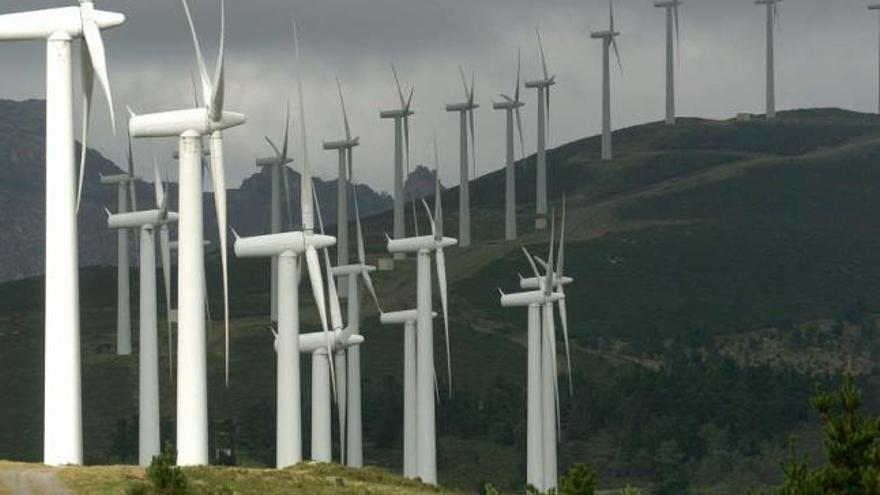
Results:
<point x="703" y="255"/>
<point x="23" y="184"/>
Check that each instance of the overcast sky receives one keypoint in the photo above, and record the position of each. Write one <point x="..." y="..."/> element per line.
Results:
<point x="826" y="56"/>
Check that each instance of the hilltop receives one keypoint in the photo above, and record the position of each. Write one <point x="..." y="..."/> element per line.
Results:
<point x="716" y="263"/>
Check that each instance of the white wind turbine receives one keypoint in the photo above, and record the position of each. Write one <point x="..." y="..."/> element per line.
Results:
<point x="189" y="126"/>
<point x="772" y="18"/>
<point x="609" y="40"/>
<point x="542" y="395"/>
<point x="511" y="107"/>
<point x="59" y="28"/>
<point x="278" y="170"/>
<point x="290" y="247"/>
<point x="401" y="138"/>
<point x="345" y="149"/>
<point x="672" y="21"/>
<point x="424" y="246"/>
<point x="876" y="7"/>
<point x="543" y="87"/>
<point x="466" y="120"/>
<point x="148" y="352"/>
<point x="351" y="429"/>
<point x="125" y="191"/>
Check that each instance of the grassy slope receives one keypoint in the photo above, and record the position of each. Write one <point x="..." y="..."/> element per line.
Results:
<point x="316" y="479"/>
<point x="723" y="225"/>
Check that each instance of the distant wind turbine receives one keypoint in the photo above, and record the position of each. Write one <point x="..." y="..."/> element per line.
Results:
<point x="772" y="18"/>
<point x="466" y="119"/>
<point x="609" y="40"/>
<point x="876" y="7"/>
<point x="279" y="178"/>
<point x="543" y="87"/>
<point x="672" y="21"/>
<point x="126" y="200"/>
<point x="425" y="246"/>
<point x="148" y="352"/>
<point x="345" y="148"/>
<point x="511" y="107"/>
<point x="401" y="117"/>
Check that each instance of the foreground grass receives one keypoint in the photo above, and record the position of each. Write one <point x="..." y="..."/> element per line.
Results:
<point x="312" y="479"/>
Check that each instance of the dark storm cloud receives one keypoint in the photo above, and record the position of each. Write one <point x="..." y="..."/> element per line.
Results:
<point x="826" y="56"/>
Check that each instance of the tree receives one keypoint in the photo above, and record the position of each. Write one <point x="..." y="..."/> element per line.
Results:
<point x="579" y="480"/>
<point x="852" y="448"/>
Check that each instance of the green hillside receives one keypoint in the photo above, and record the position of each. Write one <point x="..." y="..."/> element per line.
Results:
<point x="721" y="267"/>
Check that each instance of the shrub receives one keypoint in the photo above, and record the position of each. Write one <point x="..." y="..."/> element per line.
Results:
<point x="164" y="476"/>
<point x="579" y="480"/>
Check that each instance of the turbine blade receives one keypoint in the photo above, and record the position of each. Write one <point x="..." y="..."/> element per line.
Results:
<point x="438" y="197"/>
<point x="344" y="112"/>
<point x="165" y="255"/>
<point x="88" y="85"/>
<point x="561" y="257"/>
<point x="316" y="279"/>
<point x="219" y="85"/>
<point x="543" y="57"/>
<point x="473" y="143"/>
<point x="333" y="294"/>
<point x="200" y="59"/>
<point x="288" y="205"/>
<point x="563" y="316"/>
<point x="98" y="59"/>
<point x="342" y="400"/>
<point x="218" y="174"/>
<point x="399" y="88"/>
<point x="157" y="186"/>
<point x="430" y="218"/>
<point x="444" y="301"/>
<point x="414" y="213"/>
<point x="518" y="74"/>
<point x="531" y="260"/>
<point x="551" y="342"/>
<point x="467" y="95"/>
<point x="677" y="32"/>
<point x="132" y="190"/>
<point x="362" y="256"/>
<point x="549" y="283"/>
<point x="519" y="126"/>
<point x="406" y="141"/>
<point x="286" y="137"/>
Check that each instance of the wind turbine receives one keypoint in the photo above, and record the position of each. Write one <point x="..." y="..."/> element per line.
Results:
<point x="148" y="352"/>
<point x="401" y="117"/>
<point x="542" y="292"/>
<point x="543" y="87"/>
<point x="609" y="40"/>
<point x="424" y="246"/>
<point x="125" y="189"/>
<point x="277" y="166"/>
<point x="772" y="17"/>
<point x="511" y="107"/>
<point x="466" y="119"/>
<point x="671" y="7"/>
<point x="59" y="28"/>
<point x="345" y="148"/>
<point x="876" y="7"/>
<point x="351" y="429"/>
<point x="189" y="126"/>
<point x="290" y="247"/>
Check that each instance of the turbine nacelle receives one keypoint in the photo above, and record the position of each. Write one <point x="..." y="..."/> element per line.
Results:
<point x="541" y="83"/>
<point x="317" y="341"/>
<point x="668" y="4"/>
<point x="607" y="34"/>
<point x="271" y="162"/>
<point x="137" y="219"/>
<point x="507" y="105"/>
<point x="342" y="144"/>
<point x="116" y="179"/>
<point x="395" y="114"/>
<point x="875" y="6"/>
<point x="40" y="24"/>
<point x="177" y="122"/>
<point x="402" y="317"/>
<point x="531" y="298"/>
<point x="534" y="283"/>
<point x="265" y="246"/>
<point x="766" y="2"/>
<point x="462" y="107"/>
<point x="348" y="270"/>
<point x="421" y="243"/>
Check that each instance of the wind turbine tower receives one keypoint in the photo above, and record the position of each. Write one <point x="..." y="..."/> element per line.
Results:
<point x="401" y="138"/>
<point x="772" y="18"/>
<point x="345" y="149"/>
<point x="609" y="40"/>
<point x="277" y="166"/>
<point x="876" y="7"/>
<point x="543" y="87"/>
<point x="59" y="28"/>
<point x="511" y="107"/>
<point x="148" y="352"/>
<point x="671" y="7"/>
<point x="465" y="111"/>
<point x="123" y="183"/>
